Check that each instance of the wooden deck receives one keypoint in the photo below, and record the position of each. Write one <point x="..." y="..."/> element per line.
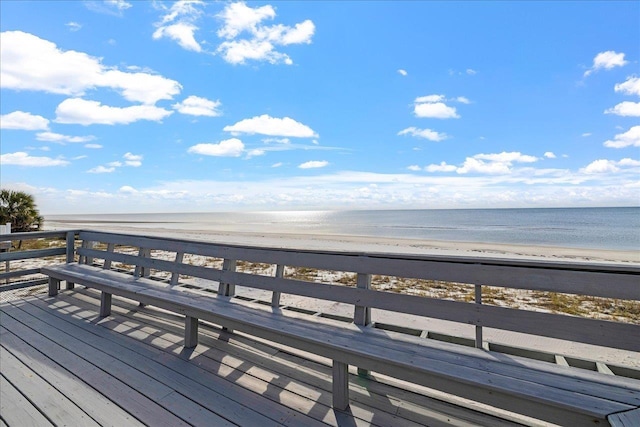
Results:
<point x="62" y="365"/>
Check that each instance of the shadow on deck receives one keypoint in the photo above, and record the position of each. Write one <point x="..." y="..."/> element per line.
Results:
<point x="62" y="364"/>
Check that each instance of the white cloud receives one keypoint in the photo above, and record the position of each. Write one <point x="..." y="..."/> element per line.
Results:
<point x="586" y="134"/>
<point x="463" y="100"/>
<point x="197" y="106"/>
<point x="550" y="155"/>
<point x="414" y="168"/>
<point x="314" y="164"/>
<point x="59" y="138"/>
<point x="625" y="109"/>
<point x="116" y="164"/>
<point x="606" y="60"/>
<point x="21" y="158"/>
<point x="271" y="126"/>
<point x="600" y="166"/>
<point x="108" y="7"/>
<point x="626" y="139"/>
<point x="28" y="62"/>
<point x="277" y="140"/>
<point x="442" y="167"/>
<point x="471" y="71"/>
<point x="228" y="148"/>
<point x="472" y="165"/>
<point x="23" y="121"/>
<point x="83" y="112"/>
<point x="276" y="165"/>
<point x="246" y="38"/>
<point x="182" y="32"/>
<point x="429" y="134"/>
<point x="402" y="72"/>
<point x="432" y="106"/>
<point x="134" y="160"/>
<point x="73" y="26"/>
<point x="629" y="162"/>
<point x="101" y="169"/>
<point x="505" y="157"/>
<point x="93" y="146"/>
<point x="631" y="86"/>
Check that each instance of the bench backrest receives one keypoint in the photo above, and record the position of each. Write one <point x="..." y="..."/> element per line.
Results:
<point x="597" y="280"/>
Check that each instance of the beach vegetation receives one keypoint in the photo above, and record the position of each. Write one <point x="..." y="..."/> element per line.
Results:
<point x="19" y="209"/>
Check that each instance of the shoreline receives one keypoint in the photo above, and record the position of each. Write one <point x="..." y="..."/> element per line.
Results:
<point x="353" y="243"/>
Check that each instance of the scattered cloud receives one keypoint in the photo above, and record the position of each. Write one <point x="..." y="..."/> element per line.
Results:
<point x="23" y="121"/>
<point x="178" y="24"/>
<point x="73" y="26"/>
<point x="471" y="72"/>
<point x="509" y="158"/>
<point x="402" y="72"/>
<point x="83" y="112"/>
<point x="197" y="106"/>
<point x="228" y="148"/>
<point x="442" y="167"/>
<point x="630" y="138"/>
<point x="414" y="168"/>
<point x="134" y="160"/>
<point x="429" y="134"/>
<point x="550" y="155"/>
<point x="271" y="126"/>
<point x="30" y="63"/>
<point x="59" y="138"/>
<point x="600" y="166"/>
<point x="102" y="169"/>
<point x="433" y="106"/>
<point x="586" y="134"/>
<point x="277" y="165"/>
<point x="93" y="146"/>
<point x="108" y="7"/>
<point x="314" y="164"/>
<point x="246" y="38"/>
<point x="631" y="86"/>
<point x="21" y="158"/>
<point x="625" y="109"/>
<point x="475" y="165"/>
<point x="463" y="100"/>
<point x="277" y="140"/>
<point x="606" y="60"/>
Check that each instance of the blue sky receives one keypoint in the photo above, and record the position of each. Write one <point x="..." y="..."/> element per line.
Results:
<point x="133" y="106"/>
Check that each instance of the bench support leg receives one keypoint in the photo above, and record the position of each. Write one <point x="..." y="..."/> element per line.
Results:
<point x="53" y="286"/>
<point x="190" y="332"/>
<point x="340" y="385"/>
<point x="105" y="304"/>
<point x="70" y="285"/>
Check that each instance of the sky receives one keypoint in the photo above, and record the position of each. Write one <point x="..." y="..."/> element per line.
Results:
<point x="125" y="106"/>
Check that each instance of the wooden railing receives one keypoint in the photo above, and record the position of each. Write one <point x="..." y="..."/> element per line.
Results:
<point x="28" y="277"/>
<point x="614" y="281"/>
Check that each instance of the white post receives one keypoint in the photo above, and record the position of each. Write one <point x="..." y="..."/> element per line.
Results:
<point x="6" y="229"/>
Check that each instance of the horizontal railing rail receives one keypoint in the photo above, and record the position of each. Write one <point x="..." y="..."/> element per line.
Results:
<point x="25" y="276"/>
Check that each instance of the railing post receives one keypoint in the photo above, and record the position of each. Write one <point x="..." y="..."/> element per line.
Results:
<point x="176" y="276"/>
<point x="478" y="300"/>
<point x="227" y="289"/>
<point x="275" y="296"/>
<point x="362" y="314"/>
<point x="71" y="242"/>
<point x="141" y="271"/>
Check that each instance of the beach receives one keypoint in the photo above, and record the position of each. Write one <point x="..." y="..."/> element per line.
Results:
<point x="267" y="236"/>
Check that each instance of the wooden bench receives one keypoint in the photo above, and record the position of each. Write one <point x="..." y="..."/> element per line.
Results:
<point x="558" y="394"/>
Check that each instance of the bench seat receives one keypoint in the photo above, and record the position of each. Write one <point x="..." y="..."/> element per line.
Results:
<point x="558" y="394"/>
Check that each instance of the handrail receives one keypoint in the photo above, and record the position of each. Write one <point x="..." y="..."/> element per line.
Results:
<point x="32" y="254"/>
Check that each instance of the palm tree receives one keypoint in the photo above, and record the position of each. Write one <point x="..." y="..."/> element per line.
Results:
<point x="19" y="208"/>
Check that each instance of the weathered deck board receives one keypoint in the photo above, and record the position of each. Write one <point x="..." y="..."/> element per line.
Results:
<point x="16" y="409"/>
<point x="288" y="388"/>
<point x="97" y="406"/>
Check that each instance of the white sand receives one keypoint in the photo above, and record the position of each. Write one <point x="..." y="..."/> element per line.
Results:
<point x="365" y="244"/>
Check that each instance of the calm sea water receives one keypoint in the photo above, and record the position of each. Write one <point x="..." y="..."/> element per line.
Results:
<point x="597" y="228"/>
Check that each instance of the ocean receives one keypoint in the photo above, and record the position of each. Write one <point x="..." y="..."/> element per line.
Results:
<point x="591" y="228"/>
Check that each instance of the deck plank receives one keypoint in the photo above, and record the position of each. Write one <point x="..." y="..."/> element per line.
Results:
<point x="116" y="383"/>
<point x="16" y="410"/>
<point x="239" y="405"/>
<point x="99" y="407"/>
<point x="58" y="408"/>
